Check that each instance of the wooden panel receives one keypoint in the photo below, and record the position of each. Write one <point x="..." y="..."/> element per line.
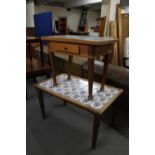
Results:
<point x="64" y="47"/>
<point x="62" y="25"/>
<point x="125" y="27"/>
<point x="102" y="27"/>
<point x="105" y="11"/>
<point x="35" y="45"/>
<point x="34" y="68"/>
<point x="30" y="31"/>
<point x="113" y="33"/>
<point x="119" y="34"/>
<point x="100" y="51"/>
<point x="84" y="50"/>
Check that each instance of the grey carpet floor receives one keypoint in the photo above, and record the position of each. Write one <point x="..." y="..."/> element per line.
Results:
<point x="67" y="130"/>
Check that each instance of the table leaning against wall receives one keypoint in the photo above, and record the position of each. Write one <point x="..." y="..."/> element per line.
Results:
<point x="86" y="94"/>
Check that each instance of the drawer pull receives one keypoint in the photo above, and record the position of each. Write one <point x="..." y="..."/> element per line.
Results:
<point x="65" y="48"/>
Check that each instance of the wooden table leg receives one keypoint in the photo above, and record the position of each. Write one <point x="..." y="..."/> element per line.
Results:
<point x="65" y="102"/>
<point x="114" y="114"/>
<point x="90" y="77"/>
<point x="41" y="103"/>
<point x="69" y="67"/>
<point x="52" y="61"/>
<point x="48" y="57"/>
<point x="95" y="130"/>
<point x="26" y="95"/>
<point x="30" y="54"/>
<point x="41" y="53"/>
<point x="105" y="68"/>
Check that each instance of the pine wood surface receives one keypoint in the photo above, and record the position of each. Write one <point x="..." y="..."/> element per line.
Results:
<point x="113" y="33"/>
<point x="88" y="40"/>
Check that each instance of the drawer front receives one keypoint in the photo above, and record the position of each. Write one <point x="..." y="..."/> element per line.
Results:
<point x="64" y="47"/>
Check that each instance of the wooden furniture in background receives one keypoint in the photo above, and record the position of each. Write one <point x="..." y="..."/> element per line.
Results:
<point x="83" y="28"/>
<point x="62" y="25"/>
<point x="80" y="33"/>
<point x="35" y="67"/>
<point x="100" y="27"/>
<point x="84" y="46"/>
<point x="30" y="31"/>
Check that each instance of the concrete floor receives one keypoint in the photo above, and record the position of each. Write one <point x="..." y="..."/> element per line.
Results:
<point x="67" y="130"/>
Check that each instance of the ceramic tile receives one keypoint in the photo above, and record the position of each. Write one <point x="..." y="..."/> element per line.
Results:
<point x="77" y="89"/>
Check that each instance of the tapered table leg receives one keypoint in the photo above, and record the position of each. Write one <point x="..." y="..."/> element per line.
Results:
<point x="105" y="68"/>
<point x="41" y="103"/>
<point x="26" y="95"/>
<point x="41" y="53"/>
<point x="95" y="130"/>
<point x="69" y="67"/>
<point x="114" y="114"/>
<point x="30" y="55"/>
<point x="29" y="48"/>
<point x="65" y="102"/>
<point x="52" y="61"/>
<point x="90" y="77"/>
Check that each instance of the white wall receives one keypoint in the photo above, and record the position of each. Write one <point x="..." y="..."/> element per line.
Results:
<point x="109" y="8"/>
<point x="113" y="9"/>
<point x="73" y="16"/>
<point x="29" y="14"/>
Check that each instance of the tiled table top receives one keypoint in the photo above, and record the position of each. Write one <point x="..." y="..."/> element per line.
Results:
<point x="76" y="91"/>
<point x="90" y="40"/>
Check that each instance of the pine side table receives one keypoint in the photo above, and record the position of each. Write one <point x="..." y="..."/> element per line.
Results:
<point x="85" y="46"/>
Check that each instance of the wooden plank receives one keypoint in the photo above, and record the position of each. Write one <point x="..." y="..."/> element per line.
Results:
<point x="105" y="12"/>
<point x="69" y="67"/>
<point x="113" y="33"/>
<point x="119" y="34"/>
<point x="125" y="27"/>
<point x="102" y="26"/>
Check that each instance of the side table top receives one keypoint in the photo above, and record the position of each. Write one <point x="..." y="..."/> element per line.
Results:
<point x="75" y="91"/>
<point x="89" y="40"/>
<point x="32" y="38"/>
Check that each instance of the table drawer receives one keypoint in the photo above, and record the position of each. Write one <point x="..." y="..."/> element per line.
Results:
<point x="72" y="48"/>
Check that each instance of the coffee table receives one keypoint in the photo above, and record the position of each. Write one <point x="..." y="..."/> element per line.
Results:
<point x="75" y="92"/>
